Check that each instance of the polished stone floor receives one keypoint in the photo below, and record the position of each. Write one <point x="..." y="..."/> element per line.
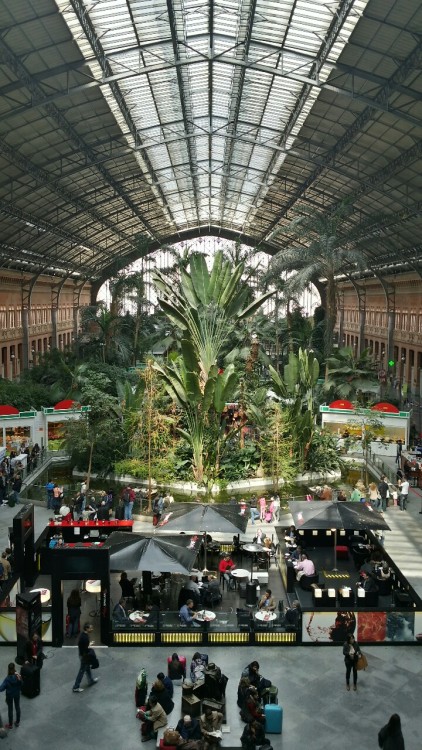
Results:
<point x="318" y="712"/>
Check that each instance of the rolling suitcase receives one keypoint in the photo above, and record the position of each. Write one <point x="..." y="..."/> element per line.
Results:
<point x="30" y="674"/>
<point x="273" y="718"/>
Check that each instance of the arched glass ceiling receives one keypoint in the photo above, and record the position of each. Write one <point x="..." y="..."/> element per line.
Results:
<point x="173" y="119"/>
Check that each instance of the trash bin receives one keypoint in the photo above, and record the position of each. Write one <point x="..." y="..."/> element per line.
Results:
<point x="251" y="594"/>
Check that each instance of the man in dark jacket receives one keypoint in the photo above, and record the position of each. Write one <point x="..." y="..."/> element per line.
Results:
<point x="383" y="493"/>
<point x="189" y="728"/>
<point x="83" y="645"/>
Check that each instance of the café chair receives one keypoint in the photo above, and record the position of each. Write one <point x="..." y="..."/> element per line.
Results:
<point x="307" y="581"/>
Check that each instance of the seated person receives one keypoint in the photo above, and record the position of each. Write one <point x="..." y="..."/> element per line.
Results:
<point x="255" y="679"/>
<point x="242" y="690"/>
<point x="305" y="567"/>
<point x="210" y="723"/>
<point x="226" y="565"/>
<point x="341" y="496"/>
<point x="253" y="735"/>
<point x="154" y="718"/>
<point x="176" y="670"/>
<point x="197" y="667"/>
<point x="167" y="682"/>
<point x="162" y="695"/>
<point x="267" y="602"/>
<point x="211" y="591"/>
<point x="253" y="707"/>
<point x="126" y="585"/>
<point x="295" y="555"/>
<point x="292" y="615"/>
<point x="259" y="538"/>
<point x="189" y="728"/>
<point x="368" y="582"/>
<point x="119" y="614"/>
<point x="187" y="614"/>
<point x="193" y="587"/>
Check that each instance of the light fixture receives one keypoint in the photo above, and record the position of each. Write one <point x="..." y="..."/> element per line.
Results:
<point x="44" y="594"/>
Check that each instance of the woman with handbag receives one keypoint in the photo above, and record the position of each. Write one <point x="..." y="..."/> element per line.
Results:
<point x="351" y="652"/>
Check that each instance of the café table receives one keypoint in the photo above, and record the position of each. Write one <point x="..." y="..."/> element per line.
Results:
<point x="205" y="615"/>
<point x="265" y="616"/>
<point x="239" y="575"/>
<point x="138" y="617"/>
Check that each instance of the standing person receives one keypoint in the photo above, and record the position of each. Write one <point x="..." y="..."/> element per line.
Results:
<point x="128" y="497"/>
<point x="49" y="488"/>
<point x="73" y="612"/>
<point x="57" y="498"/>
<point x="390" y="737"/>
<point x="351" y="653"/>
<point x="16" y="487"/>
<point x="398" y="460"/>
<point x="383" y="493"/>
<point x="404" y="492"/>
<point x="262" y="507"/>
<point x="157" y="509"/>
<point x="12" y="684"/>
<point x="3" y="488"/>
<point x="7" y="568"/>
<point x="83" y="645"/>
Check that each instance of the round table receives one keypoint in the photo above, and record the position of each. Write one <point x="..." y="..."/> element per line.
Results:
<point x="138" y="617"/>
<point x="265" y="616"/>
<point x="205" y="615"/>
<point x="238" y="574"/>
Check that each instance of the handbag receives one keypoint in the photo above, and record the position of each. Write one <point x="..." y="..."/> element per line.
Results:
<point x="171" y="737"/>
<point x="362" y="662"/>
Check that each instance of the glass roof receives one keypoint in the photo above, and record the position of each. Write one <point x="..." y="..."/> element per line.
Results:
<point x="126" y="125"/>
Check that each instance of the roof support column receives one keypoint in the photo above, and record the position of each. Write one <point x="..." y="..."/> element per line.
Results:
<point x="55" y="301"/>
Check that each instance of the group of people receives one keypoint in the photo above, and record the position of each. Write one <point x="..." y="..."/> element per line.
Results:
<point x="380" y="494"/>
<point x="81" y="507"/>
<point x="266" y="509"/>
<point x="12" y="471"/>
<point x="154" y="707"/>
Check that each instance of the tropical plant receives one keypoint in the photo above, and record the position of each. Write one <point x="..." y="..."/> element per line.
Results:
<point x="323" y="455"/>
<point x="24" y="395"/>
<point x="206" y="307"/>
<point x="275" y="445"/>
<point x="319" y="253"/>
<point x="297" y="392"/>
<point x="96" y="440"/>
<point x="350" y="375"/>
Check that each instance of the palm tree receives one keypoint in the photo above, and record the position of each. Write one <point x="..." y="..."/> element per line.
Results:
<point x="319" y="255"/>
<point x="348" y="374"/>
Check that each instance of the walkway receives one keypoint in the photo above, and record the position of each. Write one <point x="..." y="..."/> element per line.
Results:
<point x="404" y="542"/>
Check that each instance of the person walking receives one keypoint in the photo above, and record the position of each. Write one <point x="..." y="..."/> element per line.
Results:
<point x="262" y="502"/>
<point x="12" y="684"/>
<point x="16" y="488"/>
<point x="351" y="652"/>
<point x="390" y="737"/>
<point x="398" y="459"/>
<point x="83" y="645"/>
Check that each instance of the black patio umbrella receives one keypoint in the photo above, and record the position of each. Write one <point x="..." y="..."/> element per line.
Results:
<point x="221" y="518"/>
<point x="169" y="554"/>
<point x="321" y="514"/>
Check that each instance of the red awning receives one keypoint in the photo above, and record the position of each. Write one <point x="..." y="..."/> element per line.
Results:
<point x="341" y="404"/>
<point x="6" y="410"/>
<point x="66" y="404"/>
<point x="385" y="407"/>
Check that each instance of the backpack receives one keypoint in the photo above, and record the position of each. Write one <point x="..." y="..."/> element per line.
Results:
<point x="1" y="570"/>
<point x="141" y="680"/>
